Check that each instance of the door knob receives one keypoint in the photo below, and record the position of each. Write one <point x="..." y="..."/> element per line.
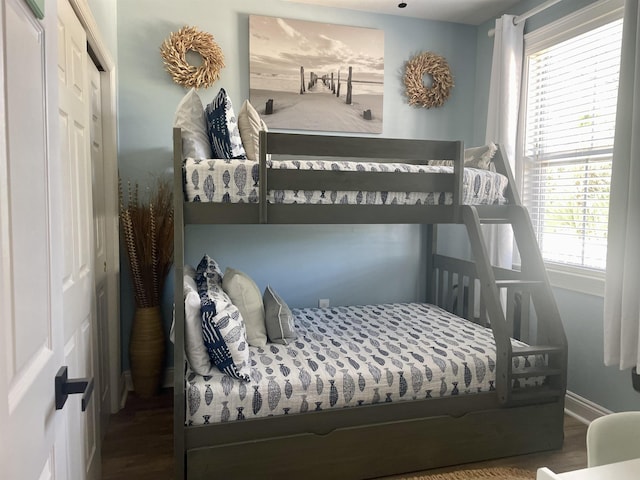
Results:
<point x="66" y="387"/>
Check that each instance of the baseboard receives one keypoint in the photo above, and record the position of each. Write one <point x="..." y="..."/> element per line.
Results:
<point x="582" y="409"/>
<point x="167" y="380"/>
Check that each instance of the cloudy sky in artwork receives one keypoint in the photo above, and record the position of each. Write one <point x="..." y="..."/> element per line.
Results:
<point x="282" y="46"/>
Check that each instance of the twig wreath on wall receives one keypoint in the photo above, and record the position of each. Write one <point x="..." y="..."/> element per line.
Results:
<point x="428" y="63"/>
<point x="174" y="52"/>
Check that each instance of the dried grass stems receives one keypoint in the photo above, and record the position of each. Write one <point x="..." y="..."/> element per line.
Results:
<point x="428" y="63"/>
<point x="147" y="230"/>
<point x="174" y="52"/>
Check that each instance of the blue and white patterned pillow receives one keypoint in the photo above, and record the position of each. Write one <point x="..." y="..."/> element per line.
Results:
<point x="223" y="329"/>
<point x="210" y="269"/>
<point x="222" y="125"/>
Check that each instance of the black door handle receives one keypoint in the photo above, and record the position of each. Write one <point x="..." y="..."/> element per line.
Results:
<point x="66" y="387"/>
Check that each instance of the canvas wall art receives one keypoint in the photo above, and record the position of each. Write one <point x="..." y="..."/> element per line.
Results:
<point x="316" y="76"/>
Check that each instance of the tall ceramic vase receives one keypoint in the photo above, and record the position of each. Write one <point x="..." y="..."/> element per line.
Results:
<point x="146" y="351"/>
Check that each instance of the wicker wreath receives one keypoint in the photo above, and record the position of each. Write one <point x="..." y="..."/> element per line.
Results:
<point x="174" y="52"/>
<point x="428" y="63"/>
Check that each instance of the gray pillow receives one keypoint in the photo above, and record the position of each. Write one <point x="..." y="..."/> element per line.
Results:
<point x="278" y="317"/>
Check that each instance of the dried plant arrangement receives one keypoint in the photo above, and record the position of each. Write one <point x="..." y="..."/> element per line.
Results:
<point x="174" y="52"/>
<point x="428" y="63"/>
<point x="147" y="230"/>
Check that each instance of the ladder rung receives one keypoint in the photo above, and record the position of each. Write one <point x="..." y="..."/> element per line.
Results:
<point x="536" y="350"/>
<point x="518" y="283"/>
<point x="495" y="220"/>
<point x="537" y="372"/>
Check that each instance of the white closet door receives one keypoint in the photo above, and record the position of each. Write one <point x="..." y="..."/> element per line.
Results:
<point x="77" y="219"/>
<point x="32" y="431"/>
<point x="100" y="247"/>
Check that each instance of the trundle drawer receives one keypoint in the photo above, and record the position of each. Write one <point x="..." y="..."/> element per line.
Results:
<point x="386" y="448"/>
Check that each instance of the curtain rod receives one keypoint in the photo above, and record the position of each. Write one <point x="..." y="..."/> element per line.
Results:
<point x="530" y="13"/>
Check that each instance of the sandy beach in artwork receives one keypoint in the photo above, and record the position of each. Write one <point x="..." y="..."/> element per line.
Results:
<point x="319" y="109"/>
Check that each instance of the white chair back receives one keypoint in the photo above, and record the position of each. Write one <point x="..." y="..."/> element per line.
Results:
<point x="613" y="438"/>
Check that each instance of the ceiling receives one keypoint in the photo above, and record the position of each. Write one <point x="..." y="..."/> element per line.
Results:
<point x="472" y="12"/>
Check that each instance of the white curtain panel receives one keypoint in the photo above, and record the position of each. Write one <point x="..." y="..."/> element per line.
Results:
<point x="622" y="301"/>
<point x="502" y="118"/>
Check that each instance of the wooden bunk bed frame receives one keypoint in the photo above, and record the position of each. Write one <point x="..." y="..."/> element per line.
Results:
<point x="386" y="439"/>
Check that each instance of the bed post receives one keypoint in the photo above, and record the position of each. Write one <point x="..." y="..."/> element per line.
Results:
<point x="178" y="346"/>
<point x="262" y="188"/>
<point x="431" y="232"/>
<point x="458" y="171"/>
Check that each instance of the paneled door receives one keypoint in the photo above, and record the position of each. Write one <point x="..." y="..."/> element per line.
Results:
<point x="33" y="434"/>
<point x="100" y="247"/>
<point x="78" y="280"/>
<point x="47" y="297"/>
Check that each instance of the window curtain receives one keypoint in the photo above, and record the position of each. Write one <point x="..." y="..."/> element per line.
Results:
<point x="622" y="301"/>
<point x="502" y="118"/>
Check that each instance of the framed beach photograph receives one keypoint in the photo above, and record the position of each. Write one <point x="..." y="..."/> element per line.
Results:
<point x="316" y="76"/>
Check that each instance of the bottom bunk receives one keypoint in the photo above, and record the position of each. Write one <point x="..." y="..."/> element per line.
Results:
<point x="364" y="392"/>
<point x="354" y="356"/>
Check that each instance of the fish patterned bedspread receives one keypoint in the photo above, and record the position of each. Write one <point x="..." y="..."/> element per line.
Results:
<point x="237" y="181"/>
<point x="352" y="356"/>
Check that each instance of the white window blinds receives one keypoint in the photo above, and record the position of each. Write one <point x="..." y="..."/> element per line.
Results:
<point x="570" y="115"/>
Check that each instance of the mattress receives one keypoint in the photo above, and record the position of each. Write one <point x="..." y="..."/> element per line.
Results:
<point x="353" y="356"/>
<point x="237" y="181"/>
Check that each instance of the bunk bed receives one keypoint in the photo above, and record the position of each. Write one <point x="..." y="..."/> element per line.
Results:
<point x="521" y="412"/>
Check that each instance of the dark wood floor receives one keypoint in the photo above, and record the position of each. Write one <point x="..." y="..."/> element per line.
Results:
<point x="139" y="444"/>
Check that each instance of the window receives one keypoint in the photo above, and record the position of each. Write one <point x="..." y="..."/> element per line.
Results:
<point x="568" y="124"/>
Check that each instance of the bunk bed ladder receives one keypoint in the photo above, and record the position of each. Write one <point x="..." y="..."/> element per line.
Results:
<point x="547" y="355"/>
<point x="550" y="342"/>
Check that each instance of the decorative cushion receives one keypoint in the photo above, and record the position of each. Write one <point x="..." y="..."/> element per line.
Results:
<point x="195" y="351"/>
<point x="223" y="330"/>
<point x="190" y="118"/>
<point x="245" y="295"/>
<point x="222" y="125"/>
<point x="476" y="157"/>
<point x="480" y="157"/>
<point x="210" y="269"/>
<point x="278" y="318"/>
<point x="250" y="125"/>
<point x="195" y="348"/>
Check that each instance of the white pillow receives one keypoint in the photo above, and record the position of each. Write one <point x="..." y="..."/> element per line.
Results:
<point x="194" y="345"/>
<point x="190" y="118"/>
<point x="189" y="279"/>
<point x="475" y="157"/>
<point x="480" y="157"/>
<point x="250" y="125"/>
<point x="245" y="294"/>
<point x="195" y="350"/>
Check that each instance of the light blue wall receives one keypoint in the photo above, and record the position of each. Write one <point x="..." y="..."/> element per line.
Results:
<point x="582" y="315"/>
<point x="348" y="264"/>
<point x="105" y="12"/>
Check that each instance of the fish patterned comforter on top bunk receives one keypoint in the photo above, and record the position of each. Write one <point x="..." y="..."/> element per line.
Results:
<point x="352" y="356"/>
<point x="236" y="181"/>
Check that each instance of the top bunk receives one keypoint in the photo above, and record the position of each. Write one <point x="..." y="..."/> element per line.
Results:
<point x="321" y="179"/>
